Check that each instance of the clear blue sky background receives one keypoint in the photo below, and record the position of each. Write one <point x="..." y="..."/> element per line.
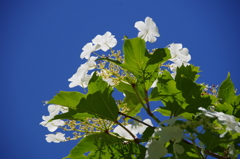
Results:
<point x="40" y="44"/>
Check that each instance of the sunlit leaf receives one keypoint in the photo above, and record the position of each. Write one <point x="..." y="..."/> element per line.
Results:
<point x="101" y="104"/>
<point x="74" y="115"/>
<point x="102" y="145"/>
<point x="67" y="99"/>
<point x="226" y="91"/>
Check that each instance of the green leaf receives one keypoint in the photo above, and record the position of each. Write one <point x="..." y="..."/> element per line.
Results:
<point x="74" y="115"/>
<point x="225" y="108"/>
<point x="101" y="104"/>
<point x="67" y="99"/>
<point x="159" y="56"/>
<point x="164" y="111"/>
<point x="174" y="107"/>
<point x="236" y="101"/>
<point x="122" y="87"/>
<point x="125" y="67"/>
<point x="139" y="62"/>
<point x="228" y="97"/>
<point x="192" y="94"/>
<point x="237" y="114"/>
<point x="134" y="54"/>
<point x="182" y="95"/>
<point x="165" y="87"/>
<point x="170" y="96"/>
<point x="103" y="146"/>
<point x="211" y="140"/>
<point x="98" y="102"/>
<point x="148" y="133"/>
<point x="191" y="91"/>
<point x="150" y="73"/>
<point x="226" y="91"/>
<point x="154" y="95"/>
<point x="189" y="72"/>
<point x="133" y="103"/>
<point x="236" y="143"/>
<point x="97" y="84"/>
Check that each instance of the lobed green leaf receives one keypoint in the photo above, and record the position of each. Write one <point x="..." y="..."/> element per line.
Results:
<point x="67" y="99"/>
<point x="102" y="146"/>
<point x="101" y="104"/>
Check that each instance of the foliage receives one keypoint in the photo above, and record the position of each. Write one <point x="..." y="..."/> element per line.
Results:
<point x="203" y="121"/>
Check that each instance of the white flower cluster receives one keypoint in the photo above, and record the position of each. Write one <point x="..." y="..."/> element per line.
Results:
<point x="148" y="32"/>
<point x="223" y="119"/>
<point x="103" y="42"/>
<point x="53" y="125"/>
<point x="180" y="56"/>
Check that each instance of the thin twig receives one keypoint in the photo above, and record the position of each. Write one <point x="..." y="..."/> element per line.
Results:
<point x="126" y="129"/>
<point x="136" y="120"/>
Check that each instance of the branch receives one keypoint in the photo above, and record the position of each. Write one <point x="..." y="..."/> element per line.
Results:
<point x="136" y="120"/>
<point x="126" y="130"/>
<point x="147" y="101"/>
<point x="207" y="151"/>
<point x="147" y="110"/>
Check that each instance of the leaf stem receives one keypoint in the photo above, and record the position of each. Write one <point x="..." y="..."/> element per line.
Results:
<point x="147" y="110"/>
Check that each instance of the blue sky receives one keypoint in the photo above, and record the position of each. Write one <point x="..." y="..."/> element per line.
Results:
<point x="40" y="44"/>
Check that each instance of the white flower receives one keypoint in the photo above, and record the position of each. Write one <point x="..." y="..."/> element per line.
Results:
<point x="55" y="138"/>
<point x="106" y="41"/>
<point x="134" y="129"/>
<point x="154" y="83"/>
<point x="81" y="78"/>
<point x="45" y="120"/>
<point x="90" y="64"/>
<point x="52" y="125"/>
<point x="177" y="63"/>
<point x="177" y="52"/>
<point x="224" y="119"/>
<point x="142" y="127"/>
<point x="54" y="109"/>
<point x="109" y="81"/>
<point x="122" y="132"/>
<point x="148" y="30"/>
<point x="88" y="49"/>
